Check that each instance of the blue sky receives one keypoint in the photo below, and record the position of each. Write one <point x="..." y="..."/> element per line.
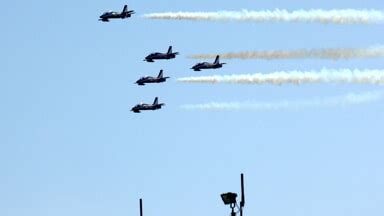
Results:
<point x="70" y="146"/>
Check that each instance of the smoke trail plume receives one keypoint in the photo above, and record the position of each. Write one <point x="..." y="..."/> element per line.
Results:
<point x="345" y="16"/>
<point x="331" y="53"/>
<point x="346" y="100"/>
<point x="296" y="77"/>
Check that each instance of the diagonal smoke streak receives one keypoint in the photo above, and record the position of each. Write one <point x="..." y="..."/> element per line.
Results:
<point x="346" y="100"/>
<point x="331" y="53"/>
<point x="296" y="77"/>
<point x="345" y="16"/>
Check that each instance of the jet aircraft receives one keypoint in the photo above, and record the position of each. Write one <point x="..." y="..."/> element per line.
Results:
<point x="206" y="65"/>
<point x="157" y="55"/>
<point x="116" y="15"/>
<point x="142" y="106"/>
<point x="149" y="79"/>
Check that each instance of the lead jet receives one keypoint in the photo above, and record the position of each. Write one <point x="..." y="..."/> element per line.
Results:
<point x="157" y="55"/>
<point x="142" y="106"/>
<point x="116" y="15"/>
<point x="148" y="79"/>
<point x="206" y="65"/>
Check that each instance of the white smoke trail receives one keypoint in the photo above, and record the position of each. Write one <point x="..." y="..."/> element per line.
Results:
<point x="296" y="77"/>
<point x="331" y="53"/>
<point x="346" y="100"/>
<point x="344" y="16"/>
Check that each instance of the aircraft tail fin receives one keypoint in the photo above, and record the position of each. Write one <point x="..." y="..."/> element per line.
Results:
<point x="125" y="9"/>
<point x="160" y="74"/>
<point x="217" y="60"/>
<point x="156" y="101"/>
<point x="170" y="50"/>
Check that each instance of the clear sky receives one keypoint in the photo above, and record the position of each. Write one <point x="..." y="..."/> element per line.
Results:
<point x="70" y="146"/>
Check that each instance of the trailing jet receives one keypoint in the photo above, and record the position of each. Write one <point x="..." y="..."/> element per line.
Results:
<point x="149" y="79"/>
<point x="156" y="55"/>
<point x="207" y="65"/>
<point x="116" y="15"/>
<point x="142" y="106"/>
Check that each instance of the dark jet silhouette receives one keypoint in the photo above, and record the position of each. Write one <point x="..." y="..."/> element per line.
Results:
<point x="149" y="79"/>
<point x="116" y="15"/>
<point x="142" y="106"/>
<point x="157" y="55"/>
<point x="206" y="65"/>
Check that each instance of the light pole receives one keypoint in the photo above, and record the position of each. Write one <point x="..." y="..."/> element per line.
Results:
<point x="229" y="198"/>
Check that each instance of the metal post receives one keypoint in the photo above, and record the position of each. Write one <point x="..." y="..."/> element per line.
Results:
<point x="242" y="201"/>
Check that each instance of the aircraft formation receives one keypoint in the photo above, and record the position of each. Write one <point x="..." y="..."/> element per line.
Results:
<point x="106" y="16"/>
<point x="228" y="198"/>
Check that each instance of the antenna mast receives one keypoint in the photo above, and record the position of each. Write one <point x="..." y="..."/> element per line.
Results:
<point x="230" y="198"/>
